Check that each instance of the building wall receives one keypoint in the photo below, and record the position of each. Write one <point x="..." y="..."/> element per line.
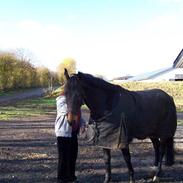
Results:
<point x="171" y="75"/>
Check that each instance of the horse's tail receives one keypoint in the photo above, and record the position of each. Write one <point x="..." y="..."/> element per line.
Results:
<point x="169" y="153"/>
<point x="170" y="158"/>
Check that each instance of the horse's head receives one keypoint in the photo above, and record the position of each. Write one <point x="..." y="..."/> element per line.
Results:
<point x="99" y="95"/>
<point x="74" y="95"/>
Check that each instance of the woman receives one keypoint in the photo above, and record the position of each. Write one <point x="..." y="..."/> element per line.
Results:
<point x="67" y="142"/>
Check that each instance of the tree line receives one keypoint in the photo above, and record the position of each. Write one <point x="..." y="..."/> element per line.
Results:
<point x="18" y="73"/>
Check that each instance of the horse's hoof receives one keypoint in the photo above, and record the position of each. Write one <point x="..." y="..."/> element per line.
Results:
<point x="107" y="179"/>
<point x="156" y="179"/>
<point x="152" y="171"/>
<point x="131" y="181"/>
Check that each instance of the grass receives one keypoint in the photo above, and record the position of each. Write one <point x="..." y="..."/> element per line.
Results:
<point x="175" y="89"/>
<point x="180" y="122"/>
<point x="28" y="108"/>
<point x="179" y="104"/>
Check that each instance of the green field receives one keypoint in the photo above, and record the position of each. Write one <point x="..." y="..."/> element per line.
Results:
<point x="28" y="108"/>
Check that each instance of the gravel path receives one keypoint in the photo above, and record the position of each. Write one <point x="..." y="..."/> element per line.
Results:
<point x="28" y="154"/>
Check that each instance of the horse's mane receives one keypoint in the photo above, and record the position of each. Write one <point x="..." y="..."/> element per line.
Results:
<point x="96" y="82"/>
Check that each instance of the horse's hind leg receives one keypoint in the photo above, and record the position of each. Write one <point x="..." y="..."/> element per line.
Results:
<point x="107" y="161"/>
<point x="127" y="158"/>
<point x="156" y="145"/>
<point x="162" y="148"/>
<point x="169" y="153"/>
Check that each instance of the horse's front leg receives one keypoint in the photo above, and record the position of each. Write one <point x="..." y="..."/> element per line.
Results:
<point x="107" y="161"/>
<point x="127" y="158"/>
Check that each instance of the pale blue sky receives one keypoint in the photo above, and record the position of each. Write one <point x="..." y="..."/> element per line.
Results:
<point x="107" y="37"/>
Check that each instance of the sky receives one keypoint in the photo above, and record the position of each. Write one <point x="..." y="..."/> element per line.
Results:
<point x="111" y="38"/>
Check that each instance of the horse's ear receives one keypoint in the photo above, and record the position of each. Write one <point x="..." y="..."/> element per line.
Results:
<point x="66" y="74"/>
<point x="79" y="75"/>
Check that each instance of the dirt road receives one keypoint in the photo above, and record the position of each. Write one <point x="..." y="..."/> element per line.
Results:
<point x="28" y="154"/>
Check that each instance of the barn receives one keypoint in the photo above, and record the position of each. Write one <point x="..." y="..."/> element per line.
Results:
<point x="173" y="73"/>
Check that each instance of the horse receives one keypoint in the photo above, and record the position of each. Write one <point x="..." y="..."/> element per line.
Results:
<point x="121" y="115"/>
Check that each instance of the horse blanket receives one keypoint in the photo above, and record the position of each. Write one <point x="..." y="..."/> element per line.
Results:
<point x="110" y="131"/>
<point x="135" y="117"/>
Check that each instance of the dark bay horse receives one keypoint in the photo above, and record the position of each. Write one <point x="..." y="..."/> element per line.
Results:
<point x="122" y="115"/>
